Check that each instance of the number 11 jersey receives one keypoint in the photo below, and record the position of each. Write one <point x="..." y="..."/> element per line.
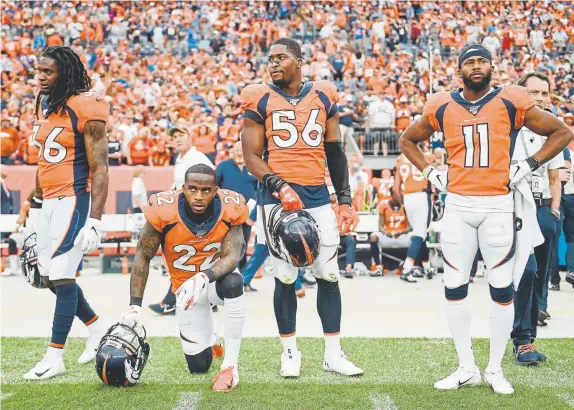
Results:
<point x="479" y="137"/>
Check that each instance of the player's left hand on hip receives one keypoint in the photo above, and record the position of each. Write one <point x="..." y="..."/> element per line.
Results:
<point x="345" y="217"/>
<point x="89" y="236"/>
<point x="518" y="171"/>
<point x="437" y="178"/>
<point x="191" y="291"/>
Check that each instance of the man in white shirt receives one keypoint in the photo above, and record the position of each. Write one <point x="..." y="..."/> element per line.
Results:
<point x="139" y="192"/>
<point x="187" y="156"/>
<point x="381" y="122"/>
<point x="547" y="190"/>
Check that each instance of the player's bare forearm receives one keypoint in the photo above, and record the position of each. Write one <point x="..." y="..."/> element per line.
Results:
<point x="547" y="124"/>
<point x="555" y="187"/>
<point x="252" y="140"/>
<point x="419" y="131"/>
<point x="148" y="244"/>
<point x="230" y="252"/>
<point x="38" y="193"/>
<point x="97" y="153"/>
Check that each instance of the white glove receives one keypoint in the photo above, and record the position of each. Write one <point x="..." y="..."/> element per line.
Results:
<point x="130" y="318"/>
<point x="190" y="292"/>
<point x="518" y="171"/>
<point x="437" y="178"/>
<point x="90" y="235"/>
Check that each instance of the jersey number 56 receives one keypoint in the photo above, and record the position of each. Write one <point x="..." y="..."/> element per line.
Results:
<point x="312" y="131"/>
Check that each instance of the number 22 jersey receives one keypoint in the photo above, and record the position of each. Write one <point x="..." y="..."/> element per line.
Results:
<point x="188" y="247"/>
<point x="295" y="128"/>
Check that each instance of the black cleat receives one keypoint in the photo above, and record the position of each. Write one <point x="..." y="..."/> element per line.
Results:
<point x="570" y="278"/>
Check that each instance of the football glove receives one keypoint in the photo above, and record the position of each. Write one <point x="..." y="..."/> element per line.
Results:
<point x="518" y="171"/>
<point x="191" y="291"/>
<point x="130" y="318"/>
<point x="289" y="198"/>
<point x="89" y="236"/>
<point x="437" y="178"/>
<point x="345" y="217"/>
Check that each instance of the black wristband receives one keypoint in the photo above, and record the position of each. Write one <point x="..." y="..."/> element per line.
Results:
<point x="273" y="181"/>
<point x="210" y="275"/>
<point x="345" y="198"/>
<point x="534" y="163"/>
<point x="36" y="203"/>
<point x="134" y="300"/>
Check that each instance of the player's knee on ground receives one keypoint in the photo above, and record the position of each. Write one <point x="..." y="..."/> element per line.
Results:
<point x="200" y="362"/>
<point x="502" y="296"/>
<point x="12" y="248"/>
<point x="230" y="287"/>
<point x="458" y="293"/>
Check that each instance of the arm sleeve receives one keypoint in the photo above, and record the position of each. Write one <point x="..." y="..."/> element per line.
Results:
<point x="93" y="108"/>
<point x="337" y="164"/>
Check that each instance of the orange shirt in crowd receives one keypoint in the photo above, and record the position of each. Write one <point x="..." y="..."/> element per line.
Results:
<point x="9" y="141"/>
<point x="139" y="150"/>
<point x="205" y="143"/>
<point x="159" y="155"/>
<point x="403" y="118"/>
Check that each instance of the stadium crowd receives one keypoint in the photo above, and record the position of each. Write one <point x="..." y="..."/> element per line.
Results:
<point x="162" y="64"/>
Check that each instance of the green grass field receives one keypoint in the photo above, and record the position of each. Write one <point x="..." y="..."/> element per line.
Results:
<point x="399" y="373"/>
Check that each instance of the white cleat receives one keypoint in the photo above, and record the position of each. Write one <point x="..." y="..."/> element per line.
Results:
<point x="290" y="363"/>
<point x="461" y="377"/>
<point x="497" y="382"/>
<point x="45" y="370"/>
<point x="92" y="345"/>
<point x="339" y="363"/>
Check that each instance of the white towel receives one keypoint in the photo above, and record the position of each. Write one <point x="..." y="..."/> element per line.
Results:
<point x="529" y="236"/>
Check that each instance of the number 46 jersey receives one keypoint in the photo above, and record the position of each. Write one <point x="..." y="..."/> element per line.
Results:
<point x="295" y="127"/>
<point x="189" y="247"/>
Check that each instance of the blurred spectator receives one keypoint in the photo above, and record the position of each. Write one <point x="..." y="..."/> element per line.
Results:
<point x="159" y="155"/>
<point x="204" y="140"/>
<point x="9" y="141"/>
<point x="114" y="149"/>
<point x="139" y="192"/>
<point x="139" y="148"/>
<point x="356" y="174"/>
<point x="186" y="154"/>
<point x="381" y="121"/>
<point x="345" y="118"/>
<point x="6" y="196"/>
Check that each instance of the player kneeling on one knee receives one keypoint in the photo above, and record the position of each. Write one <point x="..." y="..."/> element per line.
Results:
<point x="200" y="231"/>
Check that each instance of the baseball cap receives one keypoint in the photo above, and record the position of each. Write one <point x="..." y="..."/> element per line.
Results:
<point x="180" y="128"/>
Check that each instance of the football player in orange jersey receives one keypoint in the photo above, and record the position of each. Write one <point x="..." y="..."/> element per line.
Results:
<point x="415" y="190"/>
<point x="480" y="124"/>
<point x="71" y="190"/>
<point x="290" y="130"/>
<point x="199" y="230"/>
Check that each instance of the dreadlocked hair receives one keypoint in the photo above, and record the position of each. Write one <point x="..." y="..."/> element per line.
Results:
<point x="72" y="79"/>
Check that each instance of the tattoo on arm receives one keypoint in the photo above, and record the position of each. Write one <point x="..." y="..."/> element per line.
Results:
<point x="230" y="252"/>
<point x="148" y="245"/>
<point x="97" y="153"/>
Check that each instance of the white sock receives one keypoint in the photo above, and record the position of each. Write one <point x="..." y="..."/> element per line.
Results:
<point x="13" y="261"/>
<point x="289" y="343"/>
<point x="96" y="327"/>
<point x="501" y="320"/>
<point x="54" y="354"/>
<point x="333" y="343"/>
<point x="408" y="265"/>
<point x="235" y="315"/>
<point x="458" y="318"/>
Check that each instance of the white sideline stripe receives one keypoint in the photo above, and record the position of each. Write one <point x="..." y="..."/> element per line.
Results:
<point x="568" y="399"/>
<point x="188" y="401"/>
<point x="5" y="396"/>
<point x="382" y="401"/>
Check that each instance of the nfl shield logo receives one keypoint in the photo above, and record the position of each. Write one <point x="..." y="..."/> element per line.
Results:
<point x="200" y="234"/>
<point x="293" y="101"/>
<point x="473" y="110"/>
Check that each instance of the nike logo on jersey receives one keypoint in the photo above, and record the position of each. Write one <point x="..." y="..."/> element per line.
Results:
<point x="100" y="99"/>
<point x="43" y="373"/>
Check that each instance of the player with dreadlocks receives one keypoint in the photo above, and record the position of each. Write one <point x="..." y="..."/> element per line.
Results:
<point x="71" y="190"/>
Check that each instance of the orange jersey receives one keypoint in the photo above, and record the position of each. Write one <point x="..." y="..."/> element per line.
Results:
<point x="158" y="158"/>
<point x="479" y="137"/>
<point x="63" y="167"/>
<point x="294" y="128"/>
<point x="384" y="192"/>
<point x="403" y="118"/>
<point x="9" y="141"/>
<point x="395" y="218"/>
<point x="411" y="178"/>
<point x="189" y="250"/>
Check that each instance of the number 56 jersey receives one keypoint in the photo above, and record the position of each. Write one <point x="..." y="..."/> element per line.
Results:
<point x="479" y="137"/>
<point x="63" y="168"/>
<point x="189" y="247"/>
<point x="295" y="128"/>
